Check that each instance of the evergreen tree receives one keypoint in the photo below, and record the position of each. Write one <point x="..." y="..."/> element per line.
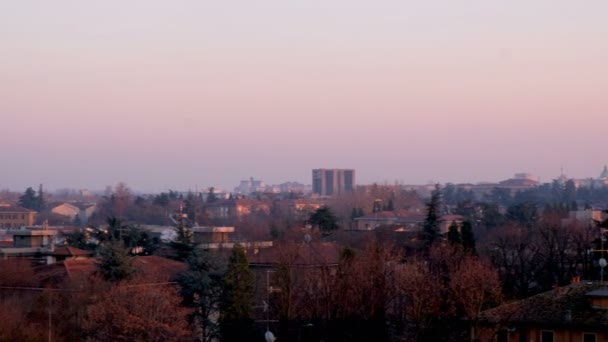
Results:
<point x="211" y="197"/>
<point x="236" y="308"/>
<point x="454" y="234"/>
<point x="391" y="205"/>
<point x="201" y="288"/>
<point x="431" y="223"/>
<point x="324" y="219"/>
<point x="360" y="212"/>
<point x="40" y="199"/>
<point x="28" y="199"/>
<point x="115" y="261"/>
<point x="353" y="214"/>
<point x="183" y="244"/>
<point x="468" y="238"/>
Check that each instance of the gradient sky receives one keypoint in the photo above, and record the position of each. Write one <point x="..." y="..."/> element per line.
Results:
<point x="185" y="94"/>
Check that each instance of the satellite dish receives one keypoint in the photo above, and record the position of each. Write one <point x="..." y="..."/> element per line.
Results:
<point x="602" y="262"/>
<point x="269" y="336"/>
<point x="307" y="238"/>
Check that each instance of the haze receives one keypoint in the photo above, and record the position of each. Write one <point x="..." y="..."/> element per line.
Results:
<point x="178" y="94"/>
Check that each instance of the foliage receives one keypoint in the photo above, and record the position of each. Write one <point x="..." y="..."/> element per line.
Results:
<point x="324" y="219"/>
<point x="431" y="223"/>
<point x="29" y="199"/>
<point x="236" y="306"/>
<point x="454" y="234"/>
<point x="115" y="261"/>
<point x="200" y="288"/>
<point x="141" y="313"/>
<point x="183" y="244"/>
<point x="525" y="213"/>
<point x="468" y="238"/>
<point x="211" y="196"/>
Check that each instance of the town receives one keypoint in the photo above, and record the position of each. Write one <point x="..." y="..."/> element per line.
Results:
<point x="332" y="261"/>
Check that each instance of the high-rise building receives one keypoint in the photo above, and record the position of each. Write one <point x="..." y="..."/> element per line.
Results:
<point x="327" y="182"/>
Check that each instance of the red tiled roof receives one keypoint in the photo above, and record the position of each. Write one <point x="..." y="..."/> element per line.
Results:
<point x="9" y="208"/>
<point x="71" y="251"/>
<point x="304" y="254"/>
<point x="550" y="308"/>
<point x="151" y="268"/>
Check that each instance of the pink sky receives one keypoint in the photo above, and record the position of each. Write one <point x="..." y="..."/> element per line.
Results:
<point x="180" y="94"/>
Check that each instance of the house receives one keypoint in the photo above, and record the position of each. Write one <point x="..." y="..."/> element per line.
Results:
<point x="300" y="259"/>
<point x="404" y="219"/>
<point x="298" y="209"/>
<point x="34" y="244"/>
<point x="13" y="216"/>
<point x="577" y="312"/>
<point x="69" y="253"/>
<point x="236" y="208"/>
<point x="72" y="210"/>
<point x="410" y="221"/>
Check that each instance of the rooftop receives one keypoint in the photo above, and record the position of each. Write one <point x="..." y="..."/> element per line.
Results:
<point x="568" y="305"/>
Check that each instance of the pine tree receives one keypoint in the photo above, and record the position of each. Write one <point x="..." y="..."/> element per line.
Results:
<point x="28" y="199"/>
<point x="201" y="288"/>
<point x="468" y="238"/>
<point x="324" y="219"/>
<point x="431" y="223"/>
<point x="40" y="199"/>
<point x="183" y="244"/>
<point x="236" y="309"/>
<point x="454" y="234"/>
<point x="115" y="261"/>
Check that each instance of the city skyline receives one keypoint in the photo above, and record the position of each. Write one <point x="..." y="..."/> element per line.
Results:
<point x="171" y="96"/>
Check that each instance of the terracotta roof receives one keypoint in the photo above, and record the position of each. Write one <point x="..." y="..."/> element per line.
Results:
<point x="71" y="251"/>
<point x="150" y="268"/>
<point x="569" y="305"/>
<point x="9" y="208"/>
<point x="303" y="254"/>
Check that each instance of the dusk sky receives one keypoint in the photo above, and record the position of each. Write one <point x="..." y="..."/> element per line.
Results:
<point x="183" y="94"/>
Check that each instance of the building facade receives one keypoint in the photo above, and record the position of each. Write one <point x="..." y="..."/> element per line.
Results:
<point x="12" y="216"/>
<point x="327" y="182"/>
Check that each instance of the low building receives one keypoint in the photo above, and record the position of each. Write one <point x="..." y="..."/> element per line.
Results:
<point x="577" y="312"/>
<point x="403" y="220"/>
<point x="81" y="211"/>
<point x="30" y="243"/>
<point x="13" y="216"/>
<point x="236" y="208"/>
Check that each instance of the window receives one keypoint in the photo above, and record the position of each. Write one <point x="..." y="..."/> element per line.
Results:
<point x="546" y="336"/>
<point x="589" y="337"/>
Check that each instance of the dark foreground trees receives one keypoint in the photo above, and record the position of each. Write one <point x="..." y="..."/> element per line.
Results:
<point x="236" y="308"/>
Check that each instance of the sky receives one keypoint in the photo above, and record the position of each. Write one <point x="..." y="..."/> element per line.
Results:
<point x="189" y="94"/>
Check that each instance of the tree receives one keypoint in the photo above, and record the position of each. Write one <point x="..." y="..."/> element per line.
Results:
<point x="200" y="288"/>
<point x="468" y="238"/>
<point x="431" y="223"/>
<point x="474" y="286"/>
<point x="138" y="313"/>
<point x="454" y="234"/>
<point x="391" y="205"/>
<point x="211" y="196"/>
<point x="183" y="244"/>
<point x="524" y="213"/>
<point x="236" y="308"/>
<point x="40" y="199"/>
<point x="324" y="219"/>
<point x="115" y="261"/>
<point x="28" y="199"/>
